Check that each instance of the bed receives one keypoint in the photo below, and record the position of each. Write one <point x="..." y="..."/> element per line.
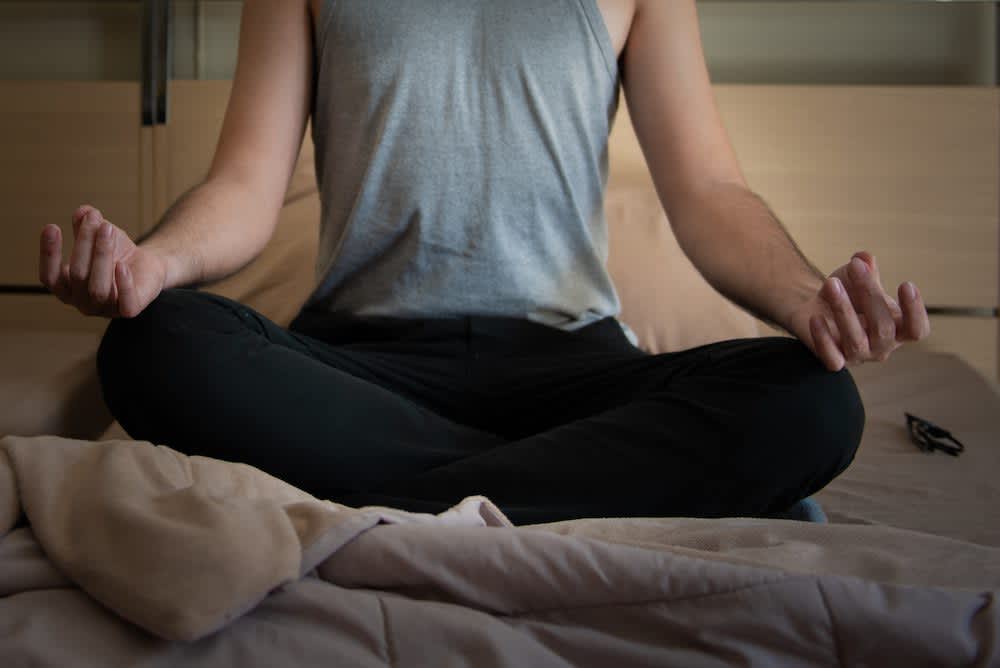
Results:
<point x="121" y="552"/>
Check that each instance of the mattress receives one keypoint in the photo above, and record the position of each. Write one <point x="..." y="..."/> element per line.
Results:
<point x="891" y="482"/>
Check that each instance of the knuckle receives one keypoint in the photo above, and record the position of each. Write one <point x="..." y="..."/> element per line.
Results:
<point x="103" y="245"/>
<point x="850" y="347"/>
<point x="885" y="332"/>
<point x="88" y="225"/>
<point x="859" y="345"/>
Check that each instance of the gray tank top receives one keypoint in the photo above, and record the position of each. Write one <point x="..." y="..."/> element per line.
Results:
<point x="461" y="156"/>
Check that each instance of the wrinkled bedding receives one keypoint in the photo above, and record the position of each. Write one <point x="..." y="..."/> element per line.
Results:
<point x="125" y="553"/>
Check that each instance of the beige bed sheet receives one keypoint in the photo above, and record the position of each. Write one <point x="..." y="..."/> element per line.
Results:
<point x="891" y="482"/>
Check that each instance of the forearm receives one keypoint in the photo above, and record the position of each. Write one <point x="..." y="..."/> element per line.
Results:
<point x="745" y="253"/>
<point x="210" y="232"/>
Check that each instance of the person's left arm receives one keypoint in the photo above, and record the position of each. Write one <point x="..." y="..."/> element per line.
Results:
<point x="727" y="231"/>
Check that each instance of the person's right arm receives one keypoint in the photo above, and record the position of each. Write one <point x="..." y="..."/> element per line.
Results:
<point x="223" y="223"/>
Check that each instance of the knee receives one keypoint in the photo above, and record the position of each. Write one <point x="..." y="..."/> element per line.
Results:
<point x="837" y="421"/>
<point x="813" y="427"/>
<point x="131" y="348"/>
<point x="124" y="334"/>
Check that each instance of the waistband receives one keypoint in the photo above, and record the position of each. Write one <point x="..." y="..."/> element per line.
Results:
<point x="474" y="333"/>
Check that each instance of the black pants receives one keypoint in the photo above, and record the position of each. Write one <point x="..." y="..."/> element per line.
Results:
<point x="418" y="414"/>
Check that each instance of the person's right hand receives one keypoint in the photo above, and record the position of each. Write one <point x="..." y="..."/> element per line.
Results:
<point x="107" y="274"/>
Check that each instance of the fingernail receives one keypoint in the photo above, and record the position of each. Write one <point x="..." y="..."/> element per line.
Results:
<point x="911" y="290"/>
<point x="859" y="266"/>
<point x="106" y="231"/>
<point x="838" y="287"/>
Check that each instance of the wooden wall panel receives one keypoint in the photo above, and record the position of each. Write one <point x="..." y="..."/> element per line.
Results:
<point x="910" y="174"/>
<point x="45" y="312"/>
<point x="186" y="145"/>
<point x="197" y="109"/>
<point x="973" y="339"/>
<point x="65" y="144"/>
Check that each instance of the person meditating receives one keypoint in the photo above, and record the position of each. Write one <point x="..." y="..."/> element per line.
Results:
<point x="462" y="336"/>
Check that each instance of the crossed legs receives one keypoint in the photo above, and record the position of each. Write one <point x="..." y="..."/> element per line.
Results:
<point x="556" y="426"/>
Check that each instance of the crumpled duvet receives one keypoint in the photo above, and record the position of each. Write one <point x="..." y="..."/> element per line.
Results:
<point x="127" y="553"/>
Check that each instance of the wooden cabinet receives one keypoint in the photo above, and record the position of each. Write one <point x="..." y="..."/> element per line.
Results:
<point x="99" y="104"/>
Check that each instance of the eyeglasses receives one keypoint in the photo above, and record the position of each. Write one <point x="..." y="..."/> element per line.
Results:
<point x="929" y="437"/>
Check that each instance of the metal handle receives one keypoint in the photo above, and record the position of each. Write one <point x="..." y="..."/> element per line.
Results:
<point x="156" y="56"/>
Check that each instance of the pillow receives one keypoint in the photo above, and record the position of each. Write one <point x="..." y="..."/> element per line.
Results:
<point x="665" y="300"/>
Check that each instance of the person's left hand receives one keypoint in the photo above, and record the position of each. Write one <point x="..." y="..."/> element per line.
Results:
<point x="859" y="322"/>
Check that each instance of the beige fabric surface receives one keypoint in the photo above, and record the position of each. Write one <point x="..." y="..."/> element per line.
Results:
<point x="891" y="482"/>
<point x="48" y="384"/>
<point x="223" y="563"/>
